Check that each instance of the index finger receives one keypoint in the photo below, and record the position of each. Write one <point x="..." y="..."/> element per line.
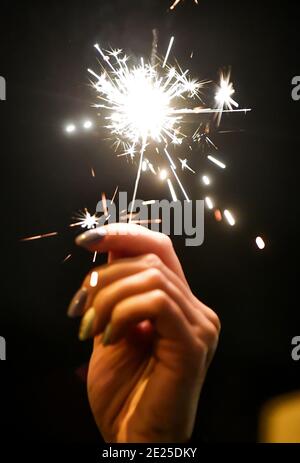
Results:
<point x="129" y="240"/>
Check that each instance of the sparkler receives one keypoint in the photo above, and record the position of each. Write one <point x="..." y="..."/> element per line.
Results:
<point x="145" y="105"/>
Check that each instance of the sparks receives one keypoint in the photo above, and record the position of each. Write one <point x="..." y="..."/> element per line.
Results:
<point x="70" y="128"/>
<point x="85" y="220"/>
<point x="209" y="203"/>
<point x="206" y="180"/>
<point x="176" y="2"/>
<point x="87" y="124"/>
<point x="229" y="217"/>
<point x="260" y="243"/>
<point x="216" y="161"/>
<point x="38" y="237"/>
<point x="224" y="94"/>
<point x="146" y="104"/>
<point x="184" y="165"/>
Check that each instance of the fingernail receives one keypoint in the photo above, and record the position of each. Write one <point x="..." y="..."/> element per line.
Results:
<point x="86" y="325"/>
<point x="91" y="237"/>
<point x="106" y="335"/>
<point x="77" y="303"/>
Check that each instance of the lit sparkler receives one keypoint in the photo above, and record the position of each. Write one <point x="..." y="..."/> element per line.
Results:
<point x="145" y="105"/>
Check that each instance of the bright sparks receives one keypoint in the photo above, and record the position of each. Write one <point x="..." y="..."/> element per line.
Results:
<point x="163" y="175"/>
<point x="216" y="161"/>
<point x="141" y="102"/>
<point x="94" y="279"/>
<point x="224" y="94"/>
<point x="145" y="106"/>
<point x="86" y="220"/>
<point x="260" y="243"/>
<point x="70" y="128"/>
<point x="87" y="124"/>
<point x="229" y="217"/>
<point x="173" y="6"/>
<point x="209" y="203"/>
<point x="206" y="180"/>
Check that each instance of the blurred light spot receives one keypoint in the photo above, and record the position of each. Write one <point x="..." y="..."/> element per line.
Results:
<point x="218" y="215"/>
<point x="229" y="217"/>
<point x="163" y="174"/>
<point x="260" y="243"/>
<point x="94" y="279"/>
<point x="206" y="180"/>
<point x="87" y="124"/>
<point x="209" y="203"/>
<point x="216" y="161"/>
<point x="70" y="128"/>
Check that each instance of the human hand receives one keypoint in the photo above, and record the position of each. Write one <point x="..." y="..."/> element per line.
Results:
<point x="153" y="339"/>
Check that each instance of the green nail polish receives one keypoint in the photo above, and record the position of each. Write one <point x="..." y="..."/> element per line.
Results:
<point x="106" y="335"/>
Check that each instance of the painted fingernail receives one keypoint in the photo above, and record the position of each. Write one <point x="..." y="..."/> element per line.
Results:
<point x="91" y="237"/>
<point x="77" y="303"/>
<point x="86" y="325"/>
<point x="106" y="335"/>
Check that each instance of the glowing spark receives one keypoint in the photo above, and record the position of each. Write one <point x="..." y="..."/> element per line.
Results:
<point x="168" y="51"/>
<point x="184" y="165"/>
<point x="178" y="1"/>
<point x="260" y="242"/>
<point x="172" y="191"/>
<point x="70" y="128"/>
<point x="94" y="279"/>
<point x="67" y="258"/>
<point x="95" y="256"/>
<point x="209" y="203"/>
<point x="86" y="220"/>
<point x="38" y="237"/>
<point x="206" y="180"/>
<point x="224" y="94"/>
<point x="217" y="162"/>
<point x="93" y="172"/>
<point x="218" y="215"/>
<point x="151" y="201"/>
<point x="104" y="203"/>
<point x="180" y="184"/>
<point x="163" y="174"/>
<point x="229" y="217"/>
<point x="115" y="194"/>
<point x="146" y="221"/>
<point x="87" y="124"/>
<point x="145" y="104"/>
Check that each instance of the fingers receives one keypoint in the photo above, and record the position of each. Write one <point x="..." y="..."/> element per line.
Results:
<point x="142" y="282"/>
<point x="131" y="240"/>
<point x="156" y="306"/>
<point x="108" y="274"/>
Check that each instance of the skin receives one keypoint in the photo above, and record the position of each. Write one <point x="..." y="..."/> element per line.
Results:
<point x="145" y="385"/>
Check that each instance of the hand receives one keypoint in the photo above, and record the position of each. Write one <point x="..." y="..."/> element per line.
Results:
<point x="153" y="339"/>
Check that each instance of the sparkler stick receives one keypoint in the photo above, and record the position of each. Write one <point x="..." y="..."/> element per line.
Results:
<point x="137" y="180"/>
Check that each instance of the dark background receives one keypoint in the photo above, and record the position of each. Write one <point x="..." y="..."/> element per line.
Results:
<point x="45" y="48"/>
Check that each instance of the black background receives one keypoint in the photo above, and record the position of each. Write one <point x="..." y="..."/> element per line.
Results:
<point x="45" y="49"/>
